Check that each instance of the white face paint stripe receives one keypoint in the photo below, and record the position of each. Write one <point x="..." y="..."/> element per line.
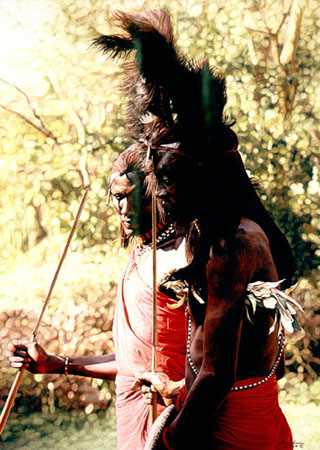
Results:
<point x="113" y="176"/>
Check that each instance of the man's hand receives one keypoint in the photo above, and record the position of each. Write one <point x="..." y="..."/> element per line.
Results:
<point x="149" y="382"/>
<point x="34" y="358"/>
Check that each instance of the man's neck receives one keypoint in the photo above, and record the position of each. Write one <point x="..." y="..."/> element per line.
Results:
<point x="147" y="236"/>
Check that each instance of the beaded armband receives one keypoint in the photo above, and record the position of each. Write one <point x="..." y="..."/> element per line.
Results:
<point x="66" y="365"/>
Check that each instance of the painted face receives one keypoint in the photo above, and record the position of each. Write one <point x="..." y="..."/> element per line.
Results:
<point x="131" y="204"/>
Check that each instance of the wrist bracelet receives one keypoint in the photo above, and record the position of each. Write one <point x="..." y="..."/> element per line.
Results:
<point x="66" y="365"/>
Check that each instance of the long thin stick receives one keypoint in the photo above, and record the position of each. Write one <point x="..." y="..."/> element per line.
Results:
<point x="154" y="301"/>
<point x="74" y="226"/>
<point x="11" y="398"/>
<point x="18" y="378"/>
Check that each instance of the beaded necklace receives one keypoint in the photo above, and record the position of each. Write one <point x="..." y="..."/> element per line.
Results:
<point x="245" y="386"/>
<point x="166" y="235"/>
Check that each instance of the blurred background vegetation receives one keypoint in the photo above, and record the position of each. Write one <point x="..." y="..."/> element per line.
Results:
<point x="59" y="105"/>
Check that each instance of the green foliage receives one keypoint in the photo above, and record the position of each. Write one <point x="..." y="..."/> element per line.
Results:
<point x="303" y="355"/>
<point x="297" y="392"/>
<point x="78" y="321"/>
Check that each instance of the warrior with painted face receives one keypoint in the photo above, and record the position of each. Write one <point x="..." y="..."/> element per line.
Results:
<point x="236" y="254"/>
<point x="132" y="326"/>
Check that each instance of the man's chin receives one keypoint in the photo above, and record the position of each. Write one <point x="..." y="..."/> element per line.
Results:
<point x="129" y="232"/>
<point x="135" y="230"/>
<point x="132" y="232"/>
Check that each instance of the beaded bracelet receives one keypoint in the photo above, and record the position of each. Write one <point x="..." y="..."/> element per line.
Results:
<point x="66" y="365"/>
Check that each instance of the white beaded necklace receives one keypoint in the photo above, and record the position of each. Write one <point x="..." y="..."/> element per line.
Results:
<point x="245" y="386"/>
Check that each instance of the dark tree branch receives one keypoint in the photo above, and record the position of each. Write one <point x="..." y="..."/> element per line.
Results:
<point x="42" y="128"/>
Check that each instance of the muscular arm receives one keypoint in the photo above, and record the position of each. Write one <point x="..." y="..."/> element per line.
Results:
<point x="228" y="277"/>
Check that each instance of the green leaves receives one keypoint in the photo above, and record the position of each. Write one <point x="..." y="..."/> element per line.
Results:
<point x="266" y="295"/>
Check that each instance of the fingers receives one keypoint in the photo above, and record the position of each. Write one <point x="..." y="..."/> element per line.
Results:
<point x="22" y="348"/>
<point x="18" y="354"/>
<point x="149" y="378"/>
<point x="140" y="382"/>
<point x="139" y="386"/>
<point x="17" y="345"/>
<point x="150" y="384"/>
<point x="19" y="361"/>
<point x="146" y="389"/>
<point x="148" y="399"/>
<point x="18" y="350"/>
<point x="27" y="346"/>
<point x="146" y="377"/>
<point x="147" y="393"/>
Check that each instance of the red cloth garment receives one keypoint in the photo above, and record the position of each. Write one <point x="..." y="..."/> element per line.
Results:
<point x="247" y="420"/>
<point x="252" y="419"/>
<point x="132" y="333"/>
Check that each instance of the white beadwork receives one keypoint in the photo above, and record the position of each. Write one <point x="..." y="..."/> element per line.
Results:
<point x="189" y="357"/>
<point x="166" y="235"/>
<point x="245" y="386"/>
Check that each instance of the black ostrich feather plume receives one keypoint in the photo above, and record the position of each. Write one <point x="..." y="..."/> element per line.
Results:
<point x="162" y="86"/>
<point x="113" y="45"/>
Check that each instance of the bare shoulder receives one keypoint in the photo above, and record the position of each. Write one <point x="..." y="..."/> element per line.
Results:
<point x="246" y="257"/>
<point x="252" y="247"/>
<point x="252" y="237"/>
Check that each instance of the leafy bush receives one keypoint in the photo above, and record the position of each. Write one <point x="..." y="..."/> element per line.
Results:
<point x="78" y="322"/>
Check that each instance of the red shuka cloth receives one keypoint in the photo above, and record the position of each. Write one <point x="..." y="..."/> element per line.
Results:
<point x="252" y="419"/>
<point x="132" y="333"/>
<point x="247" y="420"/>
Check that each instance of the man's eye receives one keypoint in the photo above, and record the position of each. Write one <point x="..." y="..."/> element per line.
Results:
<point x="165" y="179"/>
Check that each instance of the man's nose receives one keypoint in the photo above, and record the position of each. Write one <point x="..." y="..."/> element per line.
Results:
<point x="123" y="206"/>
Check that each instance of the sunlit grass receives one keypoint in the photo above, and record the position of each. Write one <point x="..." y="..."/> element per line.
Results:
<point x="61" y="431"/>
<point x="304" y="421"/>
<point x="64" y="430"/>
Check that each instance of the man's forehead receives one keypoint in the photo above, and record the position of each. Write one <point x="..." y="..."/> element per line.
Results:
<point x="169" y="161"/>
<point x="123" y="181"/>
<point x="119" y="182"/>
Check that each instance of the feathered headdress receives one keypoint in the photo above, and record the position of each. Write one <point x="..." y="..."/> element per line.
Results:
<point x="170" y="97"/>
<point x="176" y="104"/>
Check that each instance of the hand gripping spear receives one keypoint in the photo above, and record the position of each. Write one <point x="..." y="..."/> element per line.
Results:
<point x="19" y="376"/>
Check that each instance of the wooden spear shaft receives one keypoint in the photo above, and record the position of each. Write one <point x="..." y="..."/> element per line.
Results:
<point x="154" y="301"/>
<point x="19" y="376"/>
<point x="10" y="399"/>
<point x="149" y="162"/>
